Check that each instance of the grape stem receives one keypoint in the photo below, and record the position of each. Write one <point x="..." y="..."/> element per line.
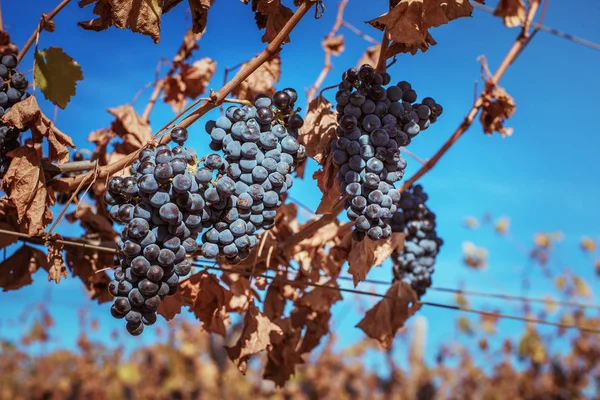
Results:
<point x="519" y="44"/>
<point x="68" y="183"/>
<point x="327" y="67"/>
<point x="381" y="63"/>
<point x="38" y="28"/>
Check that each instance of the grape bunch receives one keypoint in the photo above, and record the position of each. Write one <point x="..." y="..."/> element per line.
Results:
<point x="261" y="152"/>
<point x="161" y="208"/>
<point x="414" y="265"/>
<point x="373" y="123"/>
<point x="13" y="87"/>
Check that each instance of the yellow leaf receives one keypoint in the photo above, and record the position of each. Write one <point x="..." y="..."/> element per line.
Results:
<point x="542" y="240"/>
<point x="588" y="244"/>
<point x="560" y="282"/>
<point x="502" y="225"/>
<point x="56" y="74"/>
<point x="582" y="288"/>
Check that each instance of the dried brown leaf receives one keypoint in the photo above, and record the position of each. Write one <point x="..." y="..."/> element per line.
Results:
<point x="387" y="316"/>
<point x="283" y="357"/>
<point x="101" y="138"/>
<point x="141" y="16"/>
<point x="256" y="336"/>
<point x="321" y="299"/>
<point x="87" y="265"/>
<point x="128" y="125"/>
<point x="497" y="107"/>
<point x="56" y="263"/>
<point x="25" y="185"/>
<point x="317" y="326"/>
<point x="18" y="268"/>
<point x="197" y="76"/>
<point x="408" y="22"/>
<point x="260" y="81"/>
<point x="173" y="94"/>
<point x="94" y="224"/>
<point x="372" y="253"/>
<point x="27" y="113"/>
<point x="199" y="10"/>
<point x="319" y="129"/>
<point x="208" y="301"/>
<point x="272" y="16"/>
<point x="371" y="56"/>
<point x="274" y="301"/>
<point x="334" y="45"/>
<point x="511" y="11"/>
<point x="327" y="182"/>
<point x="242" y="292"/>
<point x="6" y="46"/>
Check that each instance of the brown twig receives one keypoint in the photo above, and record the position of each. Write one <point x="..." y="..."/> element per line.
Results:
<point x="1" y="20"/>
<point x="327" y="67"/>
<point x="358" y="32"/>
<point x="381" y="62"/>
<point x="35" y="240"/>
<point x="35" y="33"/>
<point x="413" y="155"/>
<point x="272" y="48"/>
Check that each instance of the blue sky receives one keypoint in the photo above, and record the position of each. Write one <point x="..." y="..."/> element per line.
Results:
<point x="543" y="177"/>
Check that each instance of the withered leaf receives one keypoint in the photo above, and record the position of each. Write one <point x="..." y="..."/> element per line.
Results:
<point x="408" y="22"/>
<point x="272" y="15"/>
<point x="168" y="5"/>
<point x="87" y="265"/>
<point x="199" y="9"/>
<point x="56" y="262"/>
<point x="170" y="306"/>
<point x="173" y="93"/>
<point x="318" y="130"/>
<point x="497" y="107"/>
<point x="283" y="357"/>
<point x="327" y="182"/>
<point x="128" y="125"/>
<point x="372" y="253"/>
<point x="242" y="292"/>
<point x="7" y="240"/>
<point x="321" y="299"/>
<point x="260" y="81"/>
<point x="93" y="223"/>
<point x="28" y="113"/>
<point x="25" y="185"/>
<point x="256" y="336"/>
<point x="208" y="301"/>
<point x="387" y="316"/>
<point x="17" y="269"/>
<point x="512" y="12"/>
<point x="274" y="301"/>
<point x="197" y="76"/>
<point x="141" y="16"/>
<point x="334" y="45"/>
<point x="371" y="56"/>
<point x="6" y="46"/>
<point x="317" y="326"/>
<point x="56" y="74"/>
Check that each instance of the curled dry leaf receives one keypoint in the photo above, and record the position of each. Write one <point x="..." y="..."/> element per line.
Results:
<point x="283" y="357"/>
<point x="407" y="24"/>
<point x="318" y="130"/>
<point x="56" y="262"/>
<point x="199" y="11"/>
<point x="512" y="12"/>
<point x="101" y="138"/>
<point x="272" y="16"/>
<point x="189" y="44"/>
<point x="327" y="182"/>
<point x="130" y="127"/>
<point x="371" y="56"/>
<point x="25" y="185"/>
<point x="95" y="224"/>
<point x="139" y="16"/>
<point x="87" y="265"/>
<point x="257" y="335"/>
<point x="56" y="74"/>
<point x="18" y="268"/>
<point x="260" y="81"/>
<point x="241" y="291"/>
<point x="208" y="300"/>
<point x="173" y="93"/>
<point x="497" y="107"/>
<point x="387" y="316"/>
<point x="190" y="82"/>
<point x="321" y="299"/>
<point x="371" y="253"/>
<point x="28" y="113"/>
<point x="334" y="45"/>
<point x="317" y="326"/>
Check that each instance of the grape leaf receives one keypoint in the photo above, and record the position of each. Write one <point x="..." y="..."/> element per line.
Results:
<point x="283" y="357"/>
<point x="334" y="45"/>
<point x="260" y="81"/>
<point x="199" y="10"/>
<point x="497" y="107"/>
<point x="18" y="268"/>
<point x="272" y="15"/>
<point x="134" y="131"/>
<point x="56" y="74"/>
<point x="28" y="113"/>
<point x="317" y="326"/>
<point x="87" y="265"/>
<point x="256" y="336"/>
<point x="371" y="253"/>
<point x="387" y="316"/>
<point x="25" y="184"/>
<point x="56" y="263"/>
<point x="141" y="16"/>
<point x="190" y="82"/>
<point x="371" y="56"/>
<point x="319" y="129"/>
<point x="321" y="299"/>
<point x="408" y="22"/>
<point x="512" y="12"/>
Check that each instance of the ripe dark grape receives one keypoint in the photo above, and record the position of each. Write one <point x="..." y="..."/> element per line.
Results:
<point x="415" y="264"/>
<point x="374" y="122"/>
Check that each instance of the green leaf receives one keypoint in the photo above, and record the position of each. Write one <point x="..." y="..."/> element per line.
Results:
<point x="56" y="74"/>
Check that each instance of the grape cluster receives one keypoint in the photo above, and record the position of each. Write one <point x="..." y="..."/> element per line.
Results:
<point x="161" y="208"/>
<point x="373" y="123"/>
<point x="414" y="265"/>
<point x="12" y="90"/>
<point x="261" y="151"/>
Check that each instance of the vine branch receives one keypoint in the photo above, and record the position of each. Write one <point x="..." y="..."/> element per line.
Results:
<point x="38" y="29"/>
